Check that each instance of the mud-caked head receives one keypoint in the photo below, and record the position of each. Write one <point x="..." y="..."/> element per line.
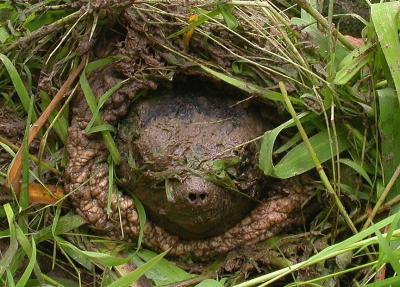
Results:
<point x="188" y="154"/>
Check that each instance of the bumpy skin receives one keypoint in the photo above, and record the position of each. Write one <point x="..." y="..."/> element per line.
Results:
<point x="87" y="182"/>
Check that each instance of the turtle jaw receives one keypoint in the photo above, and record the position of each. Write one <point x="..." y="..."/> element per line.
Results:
<point x="196" y="209"/>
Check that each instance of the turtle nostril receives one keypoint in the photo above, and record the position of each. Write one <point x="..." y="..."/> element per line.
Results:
<point x="192" y="197"/>
<point x="197" y="198"/>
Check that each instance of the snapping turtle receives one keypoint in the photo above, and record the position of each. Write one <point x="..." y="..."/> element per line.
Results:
<point x="188" y="154"/>
<point x="183" y="156"/>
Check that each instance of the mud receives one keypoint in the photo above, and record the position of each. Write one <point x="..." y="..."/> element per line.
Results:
<point x="181" y="131"/>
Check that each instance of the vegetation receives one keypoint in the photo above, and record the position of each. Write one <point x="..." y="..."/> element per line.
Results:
<point x="340" y="96"/>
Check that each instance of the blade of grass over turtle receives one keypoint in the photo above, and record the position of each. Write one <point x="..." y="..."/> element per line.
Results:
<point x="92" y="103"/>
<point x="133" y="276"/>
<point x="142" y="219"/>
<point x="102" y="100"/>
<point x="298" y="160"/>
<point x="24" y="195"/>
<point x="15" y="170"/>
<point x="248" y="87"/>
<point x="316" y="160"/>
<point x="18" y="84"/>
<point x="385" y="19"/>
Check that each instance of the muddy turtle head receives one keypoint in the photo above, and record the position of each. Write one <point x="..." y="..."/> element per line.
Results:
<point x="185" y="158"/>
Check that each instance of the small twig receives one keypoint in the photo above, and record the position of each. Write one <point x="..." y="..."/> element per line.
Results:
<point x="317" y="163"/>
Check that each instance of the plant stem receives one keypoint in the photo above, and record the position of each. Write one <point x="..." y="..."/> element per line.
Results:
<point x="383" y="196"/>
<point x="304" y="4"/>
<point x="318" y="166"/>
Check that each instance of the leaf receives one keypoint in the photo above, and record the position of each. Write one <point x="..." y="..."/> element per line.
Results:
<point x="3" y="34"/>
<point x="61" y="124"/>
<point x="18" y="84"/>
<point x="384" y="17"/>
<point x="358" y="168"/>
<point x="65" y="224"/>
<point x="297" y="160"/>
<point x="28" y="270"/>
<point x="142" y="219"/>
<point x="133" y="276"/>
<point x="164" y="273"/>
<point x="209" y="283"/>
<point x="226" y="12"/>
<point x="102" y="100"/>
<point x="98" y="257"/>
<point x="200" y="20"/>
<point x="249" y="87"/>
<point x="394" y="281"/>
<point x="8" y="256"/>
<point x="92" y="103"/>
<point x="389" y="122"/>
<point x="353" y="63"/>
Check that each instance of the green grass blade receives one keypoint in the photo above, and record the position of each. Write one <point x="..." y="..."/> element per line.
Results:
<point x="102" y="100"/>
<point x="65" y="224"/>
<point x="133" y="276"/>
<point x="98" y="257"/>
<point x="28" y="271"/>
<point x="18" y="84"/>
<point x="385" y="19"/>
<point x="164" y="273"/>
<point x="142" y="219"/>
<point x="358" y="168"/>
<point x="8" y="256"/>
<point x="61" y="124"/>
<point x="249" y="87"/>
<point x="92" y="103"/>
<point x="24" y="194"/>
<point x="353" y="63"/>
<point x="389" y="123"/>
<point x="297" y="160"/>
<point x="201" y="19"/>
<point x="209" y="283"/>
<point x="394" y="281"/>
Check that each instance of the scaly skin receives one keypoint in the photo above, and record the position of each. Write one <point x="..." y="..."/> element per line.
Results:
<point x="87" y="181"/>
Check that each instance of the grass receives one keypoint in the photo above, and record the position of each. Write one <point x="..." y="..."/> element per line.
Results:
<point x="342" y="108"/>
